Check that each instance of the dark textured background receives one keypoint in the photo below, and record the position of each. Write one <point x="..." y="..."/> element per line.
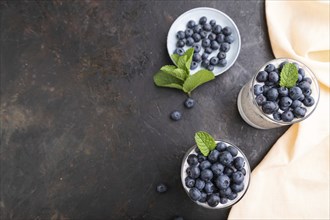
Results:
<point x="85" y="134"/>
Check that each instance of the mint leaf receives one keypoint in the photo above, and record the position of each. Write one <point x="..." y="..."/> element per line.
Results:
<point x="174" y="71"/>
<point x="289" y="75"/>
<point x="189" y="53"/>
<point x="205" y="142"/>
<point x="175" y="58"/>
<point x="199" y="78"/>
<point x="166" y="80"/>
<point x="182" y="62"/>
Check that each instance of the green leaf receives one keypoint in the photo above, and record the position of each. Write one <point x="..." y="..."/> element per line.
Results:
<point x="205" y="142"/>
<point x="189" y="53"/>
<point x="182" y="62"/>
<point x="199" y="78"/>
<point x="289" y="75"/>
<point x="166" y="80"/>
<point x="175" y="58"/>
<point x="168" y="68"/>
<point x="174" y="71"/>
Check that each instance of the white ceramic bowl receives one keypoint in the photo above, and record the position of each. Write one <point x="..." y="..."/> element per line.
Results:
<point x="221" y="18"/>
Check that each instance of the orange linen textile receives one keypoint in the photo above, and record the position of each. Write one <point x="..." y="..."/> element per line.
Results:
<point x="292" y="181"/>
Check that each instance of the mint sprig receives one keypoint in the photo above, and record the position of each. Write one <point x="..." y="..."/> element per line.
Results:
<point x="289" y="75"/>
<point x="205" y="142"/>
<point x="179" y="77"/>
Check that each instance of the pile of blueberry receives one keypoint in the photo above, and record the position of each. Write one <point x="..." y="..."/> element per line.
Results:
<point x="205" y="38"/>
<point x="283" y="103"/>
<point x="217" y="178"/>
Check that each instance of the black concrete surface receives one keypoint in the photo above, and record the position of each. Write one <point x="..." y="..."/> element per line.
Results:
<point x="85" y="134"/>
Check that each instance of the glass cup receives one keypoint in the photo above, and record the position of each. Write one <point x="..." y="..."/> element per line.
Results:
<point x="230" y="203"/>
<point x="252" y="113"/>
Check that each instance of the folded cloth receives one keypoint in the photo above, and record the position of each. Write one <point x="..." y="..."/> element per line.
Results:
<point x="292" y="181"/>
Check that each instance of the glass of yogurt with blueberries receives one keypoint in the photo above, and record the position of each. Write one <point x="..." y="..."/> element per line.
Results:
<point x="283" y="92"/>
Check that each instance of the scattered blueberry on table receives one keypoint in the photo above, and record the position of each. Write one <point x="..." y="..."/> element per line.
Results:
<point x="161" y="188"/>
<point x="205" y="37"/>
<point x="176" y="115"/>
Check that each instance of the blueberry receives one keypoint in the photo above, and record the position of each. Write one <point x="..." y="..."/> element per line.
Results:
<point x="193" y="65"/>
<point x="299" y="112"/>
<point x="212" y="22"/>
<point x="197" y="29"/>
<point x="272" y="94"/>
<point x="301" y="72"/>
<point x="232" y="150"/>
<point x="221" y="55"/>
<point x="205" y="165"/>
<point x="191" y="24"/>
<point x="195" y="194"/>
<point x="269" y="107"/>
<point x="232" y="196"/>
<point x="179" y="51"/>
<point x="304" y="85"/>
<point x="216" y="29"/>
<point x="307" y="92"/>
<point x="180" y="43"/>
<point x="188" y="33"/>
<point x="214" y="61"/>
<point x="229" y="39"/>
<point x="295" y="92"/>
<point x="213" y="200"/>
<point x="176" y="115"/>
<point x="197" y="57"/>
<point x="299" y="78"/>
<point x="206" y="175"/>
<point x="210" y="67"/>
<point x="197" y="47"/>
<point x="192" y="159"/>
<point x="196" y="37"/>
<point x="205" y="63"/>
<point x="261" y="99"/>
<point x="285" y="102"/>
<point x="280" y="67"/>
<point x="243" y="171"/>
<point x="295" y="104"/>
<point x="266" y="88"/>
<point x="283" y="91"/>
<point x="269" y="68"/>
<point x="237" y="177"/>
<point x="207" y="27"/>
<point x="236" y="188"/>
<point x="225" y="47"/>
<point x="217" y="169"/>
<point x="206" y="42"/>
<point x="202" y="20"/>
<point x="199" y="184"/>
<point x="189" y="182"/>
<point x="208" y="49"/>
<point x="222" y="62"/>
<point x="223" y="200"/>
<point x="225" y="157"/>
<point x="226" y="31"/>
<point x="190" y="41"/>
<point x="180" y="35"/>
<point x="296" y="65"/>
<point x="221" y="146"/>
<point x="225" y="192"/>
<point x="222" y="181"/>
<point x="302" y="97"/>
<point x="258" y="89"/>
<point x="213" y="156"/>
<point x="203" y="34"/>
<point x="201" y="158"/>
<point x="239" y="163"/>
<point x="262" y="76"/>
<point x="215" y="45"/>
<point x="209" y="188"/>
<point x="308" y="101"/>
<point x="189" y="103"/>
<point x="228" y="171"/>
<point x="203" y="197"/>
<point x="277" y="116"/>
<point x="307" y="79"/>
<point x="161" y="188"/>
<point x="287" y="116"/>
<point x="212" y="37"/>
<point x="273" y="77"/>
<point x="194" y="172"/>
<point x="188" y="171"/>
<point x="205" y="56"/>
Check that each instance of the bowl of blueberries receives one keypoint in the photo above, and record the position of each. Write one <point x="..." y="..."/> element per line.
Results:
<point x="213" y="35"/>
<point x="218" y="180"/>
